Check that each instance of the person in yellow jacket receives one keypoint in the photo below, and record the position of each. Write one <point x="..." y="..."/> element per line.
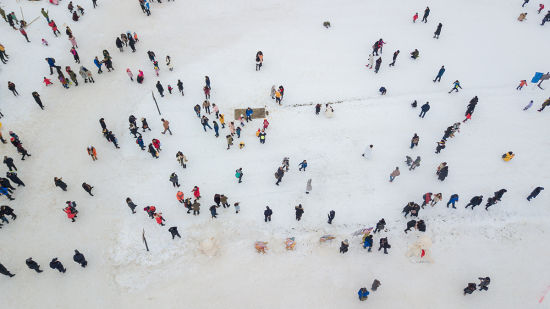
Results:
<point x="222" y="121"/>
<point x="508" y="156"/>
<point x="278" y="97"/>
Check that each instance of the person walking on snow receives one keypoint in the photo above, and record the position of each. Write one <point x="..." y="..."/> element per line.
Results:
<point x="87" y="188"/>
<point x="535" y="193"/>
<point x="394" y="174"/>
<point x="426" y="14"/>
<point x="475" y="201"/>
<point x="302" y="165"/>
<point x="166" y="126"/>
<point x="424" y="109"/>
<point x="414" y="141"/>
<point x="267" y="214"/>
<point x="79" y="258"/>
<point x="415" y="17"/>
<point x="439" y="74"/>
<point x="521" y="84"/>
<point x="239" y="174"/>
<point x="452" y="200"/>
<point x="438" y="31"/>
<point x="395" y="54"/>
<point x="456" y="85"/>
<point x="331" y="216"/>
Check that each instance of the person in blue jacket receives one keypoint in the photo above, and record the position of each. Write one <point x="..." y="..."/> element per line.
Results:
<point x="98" y="64"/>
<point x="139" y="141"/>
<point x="51" y="63"/>
<point x="249" y="113"/>
<point x="425" y="108"/>
<point x="456" y="85"/>
<point x="439" y="74"/>
<point x="217" y="128"/>
<point x="4" y="191"/>
<point x="363" y="294"/>
<point x="453" y="200"/>
<point x="303" y="165"/>
<point x="367" y="243"/>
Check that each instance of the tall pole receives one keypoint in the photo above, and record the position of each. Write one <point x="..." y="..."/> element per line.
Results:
<point x="144" y="240"/>
<point x="153" y="94"/>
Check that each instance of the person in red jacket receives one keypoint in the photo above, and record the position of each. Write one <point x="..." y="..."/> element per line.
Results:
<point x="54" y="27"/>
<point x="521" y="84"/>
<point x="150" y="210"/>
<point x="159" y="218"/>
<point x="156" y="143"/>
<point x="541" y="7"/>
<point x="266" y="123"/>
<point x="47" y="81"/>
<point x="196" y="192"/>
<point x="427" y="199"/>
<point x="415" y="17"/>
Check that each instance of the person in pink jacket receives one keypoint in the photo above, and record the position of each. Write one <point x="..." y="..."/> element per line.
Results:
<point x="130" y="74"/>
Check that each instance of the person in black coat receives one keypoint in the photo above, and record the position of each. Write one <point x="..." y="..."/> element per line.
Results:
<point x="377" y="65"/>
<point x="6" y="184"/>
<point x="79" y="258"/>
<point x="267" y="214"/>
<point x="55" y="264"/>
<point x="59" y="183"/>
<point x="36" y="97"/>
<point x="279" y="175"/>
<point x="131" y="204"/>
<point x="410" y="225"/>
<point x="299" y="212"/>
<point x="9" y="163"/>
<point x="380" y="226"/>
<point x="395" y="54"/>
<point x="160" y="88"/>
<point x="426" y="14"/>
<point x="443" y="173"/>
<point x="118" y="44"/>
<point x="475" y="201"/>
<point x="438" y="31"/>
<point x="470" y="288"/>
<point x="490" y="202"/>
<point x="102" y="123"/>
<point x="384" y="244"/>
<point x="535" y="193"/>
<point x="424" y="109"/>
<point x="33" y="265"/>
<point x="13" y="177"/>
<point x="421" y="226"/>
<point x="344" y="245"/>
<point x="87" y="188"/>
<point x="483" y="285"/>
<point x="331" y="216"/>
<point x="499" y="194"/>
<point x="7" y="210"/>
<point x="174" y="231"/>
<point x="5" y="271"/>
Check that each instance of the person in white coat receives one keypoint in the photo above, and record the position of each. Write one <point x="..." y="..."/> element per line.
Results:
<point x="329" y="112"/>
<point x="368" y="152"/>
<point x="308" y="186"/>
<point x="371" y="61"/>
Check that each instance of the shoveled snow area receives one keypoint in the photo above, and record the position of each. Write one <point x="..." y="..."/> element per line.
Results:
<point x="482" y="44"/>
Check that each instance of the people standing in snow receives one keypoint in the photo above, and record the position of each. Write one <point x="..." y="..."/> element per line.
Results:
<point x="344" y="245"/>
<point x="470" y="288"/>
<point x="442" y="171"/>
<point x="452" y="200"/>
<point x="259" y="60"/>
<point x="426" y="14"/>
<point x="87" y="188"/>
<point x="484" y="283"/>
<point x="79" y="258"/>
<point x="299" y="212"/>
<point x="378" y="64"/>
<point x="395" y="54"/>
<point x="331" y="216"/>
<point x="380" y="226"/>
<point x="534" y="193"/>
<point x="414" y="141"/>
<point x="438" y="31"/>
<point x="267" y="214"/>
<point x="279" y="175"/>
<point x="415" y="163"/>
<point x="439" y="74"/>
<point x="239" y="174"/>
<point x="384" y="245"/>
<point x="308" y="186"/>
<point x="424" y="109"/>
<point x="33" y="265"/>
<point x="475" y="201"/>
<point x="59" y="183"/>
<point x="394" y="174"/>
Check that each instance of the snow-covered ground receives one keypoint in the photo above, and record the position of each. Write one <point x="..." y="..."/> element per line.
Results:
<point x="482" y="44"/>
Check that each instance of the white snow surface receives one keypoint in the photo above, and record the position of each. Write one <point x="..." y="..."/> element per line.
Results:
<point x="482" y="44"/>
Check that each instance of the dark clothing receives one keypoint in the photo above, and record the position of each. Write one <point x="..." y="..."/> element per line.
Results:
<point x="331" y="216"/>
<point x="33" y="265"/>
<point x="5" y="271"/>
<point x="535" y="193"/>
<point x="79" y="258"/>
<point x="174" y="231"/>
<point x="55" y="264"/>
<point x="267" y="214"/>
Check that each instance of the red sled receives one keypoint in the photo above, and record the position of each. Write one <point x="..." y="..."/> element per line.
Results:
<point x="56" y="2"/>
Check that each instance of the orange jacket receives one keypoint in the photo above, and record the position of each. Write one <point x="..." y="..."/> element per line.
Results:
<point x="179" y="196"/>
